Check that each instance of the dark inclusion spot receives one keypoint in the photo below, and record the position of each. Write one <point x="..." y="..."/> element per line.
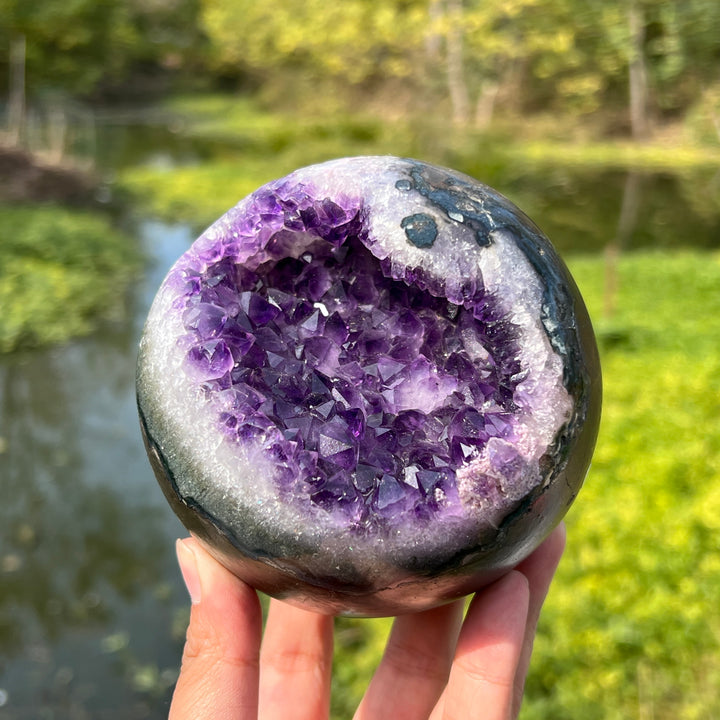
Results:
<point x="421" y="229"/>
<point x="452" y="197"/>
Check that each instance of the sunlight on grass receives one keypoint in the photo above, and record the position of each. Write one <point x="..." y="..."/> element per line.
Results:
<point x="620" y="154"/>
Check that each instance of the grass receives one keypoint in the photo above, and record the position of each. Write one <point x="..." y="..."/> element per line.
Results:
<point x="631" y="626"/>
<point x="239" y="120"/>
<point x="245" y="146"/>
<point x="657" y="156"/>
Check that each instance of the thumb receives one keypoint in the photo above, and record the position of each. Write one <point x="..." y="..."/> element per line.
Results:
<point x="220" y="666"/>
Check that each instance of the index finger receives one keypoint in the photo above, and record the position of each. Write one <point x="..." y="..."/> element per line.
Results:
<point x="220" y="666"/>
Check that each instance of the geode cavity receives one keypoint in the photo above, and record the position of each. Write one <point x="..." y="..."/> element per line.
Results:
<point x="370" y="387"/>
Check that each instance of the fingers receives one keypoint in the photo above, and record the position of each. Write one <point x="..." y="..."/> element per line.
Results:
<point x="223" y="664"/>
<point x="220" y="666"/>
<point x="415" y="666"/>
<point x="295" y="664"/>
<point x="488" y="651"/>
<point x="539" y="569"/>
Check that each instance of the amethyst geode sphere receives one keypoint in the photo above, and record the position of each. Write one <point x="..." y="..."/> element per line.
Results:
<point x="370" y="387"/>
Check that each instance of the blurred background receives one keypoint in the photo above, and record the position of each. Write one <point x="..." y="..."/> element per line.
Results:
<point x="129" y="125"/>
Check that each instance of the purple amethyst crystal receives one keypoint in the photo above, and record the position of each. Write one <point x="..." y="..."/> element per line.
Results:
<point x="370" y="387"/>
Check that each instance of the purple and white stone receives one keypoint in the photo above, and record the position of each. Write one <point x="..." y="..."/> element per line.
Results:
<point x="370" y="387"/>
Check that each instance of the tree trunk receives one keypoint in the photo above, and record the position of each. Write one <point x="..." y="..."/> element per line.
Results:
<point x="625" y="228"/>
<point x="433" y="40"/>
<point x="485" y="106"/>
<point x="637" y="73"/>
<point x="457" y="87"/>
<point x="16" y="101"/>
<point x="57" y="133"/>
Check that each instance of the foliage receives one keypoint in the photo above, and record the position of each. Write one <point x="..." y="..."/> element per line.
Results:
<point x="571" y="55"/>
<point x="352" y="40"/>
<point x="79" y="45"/>
<point x="61" y="273"/>
<point x="631" y="626"/>
<point x="242" y="123"/>
<point x="676" y="46"/>
<point x="195" y="194"/>
<point x="400" y="56"/>
<point x="359" y="643"/>
<point x="703" y="118"/>
<point x="577" y="54"/>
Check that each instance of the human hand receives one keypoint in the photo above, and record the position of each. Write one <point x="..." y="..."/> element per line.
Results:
<point x="435" y="666"/>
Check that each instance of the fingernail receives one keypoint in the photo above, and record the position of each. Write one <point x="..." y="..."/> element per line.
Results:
<point x="189" y="569"/>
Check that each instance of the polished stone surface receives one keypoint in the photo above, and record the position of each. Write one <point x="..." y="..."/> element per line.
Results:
<point x="371" y="386"/>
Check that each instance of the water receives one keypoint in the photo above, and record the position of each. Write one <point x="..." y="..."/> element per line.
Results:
<point x="584" y="210"/>
<point x="92" y="608"/>
<point x="91" y="604"/>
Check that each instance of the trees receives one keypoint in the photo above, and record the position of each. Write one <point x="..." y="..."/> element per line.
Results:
<point x="650" y="56"/>
<point x="641" y="59"/>
<point x="349" y="41"/>
<point x="77" y="45"/>
<point x="69" y="44"/>
<point x="580" y="55"/>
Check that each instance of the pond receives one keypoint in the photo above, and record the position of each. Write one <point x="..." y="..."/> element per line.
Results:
<point x="92" y="608"/>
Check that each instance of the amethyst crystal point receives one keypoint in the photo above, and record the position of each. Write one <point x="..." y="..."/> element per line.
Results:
<point x="370" y="387"/>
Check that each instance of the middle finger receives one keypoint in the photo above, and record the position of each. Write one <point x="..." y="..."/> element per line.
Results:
<point x="295" y="664"/>
<point x="415" y="665"/>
